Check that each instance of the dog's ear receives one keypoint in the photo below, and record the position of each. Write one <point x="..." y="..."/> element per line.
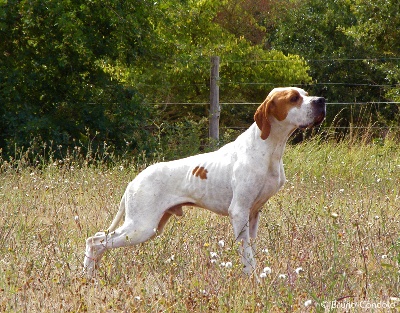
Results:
<point x="262" y="117"/>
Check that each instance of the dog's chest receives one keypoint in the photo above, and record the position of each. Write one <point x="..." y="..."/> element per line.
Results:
<point x="274" y="180"/>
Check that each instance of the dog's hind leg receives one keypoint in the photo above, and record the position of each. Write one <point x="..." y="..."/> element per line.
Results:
<point x="130" y="233"/>
<point x="127" y="235"/>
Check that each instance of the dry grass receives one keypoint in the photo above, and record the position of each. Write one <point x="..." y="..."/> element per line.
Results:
<point x="337" y="218"/>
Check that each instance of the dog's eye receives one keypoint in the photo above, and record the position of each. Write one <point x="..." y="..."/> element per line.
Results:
<point x="294" y="98"/>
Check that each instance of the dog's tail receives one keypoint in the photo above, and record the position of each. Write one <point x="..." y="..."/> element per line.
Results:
<point x="118" y="217"/>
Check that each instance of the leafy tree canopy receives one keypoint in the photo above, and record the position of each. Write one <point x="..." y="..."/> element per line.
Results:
<point x="95" y="71"/>
<point x="52" y="82"/>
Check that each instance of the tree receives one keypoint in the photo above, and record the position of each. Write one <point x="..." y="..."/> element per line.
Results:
<point x="377" y="30"/>
<point x="177" y="69"/>
<point x="53" y="86"/>
<point x="332" y="36"/>
<point x="91" y="71"/>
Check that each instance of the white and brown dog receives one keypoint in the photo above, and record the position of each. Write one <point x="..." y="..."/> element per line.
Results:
<point x="234" y="181"/>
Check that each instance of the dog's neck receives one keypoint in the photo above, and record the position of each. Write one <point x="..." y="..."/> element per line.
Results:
<point x="275" y="143"/>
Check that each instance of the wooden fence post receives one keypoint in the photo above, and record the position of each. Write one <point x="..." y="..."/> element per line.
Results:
<point x="215" y="109"/>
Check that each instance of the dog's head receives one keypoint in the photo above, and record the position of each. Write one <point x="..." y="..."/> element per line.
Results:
<point x="291" y="105"/>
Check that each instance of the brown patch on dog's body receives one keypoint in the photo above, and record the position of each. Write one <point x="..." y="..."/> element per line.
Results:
<point x="200" y="171"/>
<point x="277" y="105"/>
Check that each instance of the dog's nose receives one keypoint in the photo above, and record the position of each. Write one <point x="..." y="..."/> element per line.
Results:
<point x="319" y="109"/>
<point x="320" y="101"/>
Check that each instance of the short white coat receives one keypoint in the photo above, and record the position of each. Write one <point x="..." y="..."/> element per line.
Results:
<point x="236" y="180"/>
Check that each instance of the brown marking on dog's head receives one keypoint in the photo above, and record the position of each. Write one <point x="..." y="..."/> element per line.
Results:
<point x="200" y="171"/>
<point x="278" y="103"/>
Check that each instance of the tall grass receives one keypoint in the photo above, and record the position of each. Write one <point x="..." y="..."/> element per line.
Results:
<point x="331" y="235"/>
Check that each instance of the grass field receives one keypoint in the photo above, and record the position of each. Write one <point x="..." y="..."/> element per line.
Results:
<point x="330" y="238"/>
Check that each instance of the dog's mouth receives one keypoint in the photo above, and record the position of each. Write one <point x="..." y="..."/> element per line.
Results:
<point x="317" y="121"/>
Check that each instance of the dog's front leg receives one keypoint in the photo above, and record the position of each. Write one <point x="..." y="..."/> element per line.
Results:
<point x="253" y="227"/>
<point x="240" y="222"/>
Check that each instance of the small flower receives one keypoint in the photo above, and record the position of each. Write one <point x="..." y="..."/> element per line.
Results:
<point x="213" y="261"/>
<point x="222" y="264"/>
<point x="221" y="243"/>
<point x="213" y="255"/>
<point x="341" y="190"/>
<point x="308" y="303"/>
<point x="76" y="218"/>
<point x="282" y="276"/>
<point x="267" y="270"/>
<point x="263" y="275"/>
<point x="170" y="259"/>
<point x="299" y="270"/>
<point x="137" y="298"/>
<point x="228" y="264"/>
<point x="384" y="256"/>
<point x="265" y="251"/>
<point x="334" y="215"/>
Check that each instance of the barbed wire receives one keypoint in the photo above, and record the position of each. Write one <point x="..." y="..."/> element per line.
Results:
<point x="258" y="103"/>
<point x="327" y="127"/>
<point x="313" y="60"/>
<point x="206" y="61"/>
<point x="221" y="83"/>
<point x="316" y="84"/>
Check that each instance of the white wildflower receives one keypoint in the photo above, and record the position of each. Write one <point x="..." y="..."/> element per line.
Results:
<point x="263" y="275"/>
<point x="299" y="270"/>
<point x="228" y="264"/>
<point x="334" y="215"/>
<point x="170" y="259"/>
<point x="308" y="303"/>
<point x="267" y="270"/>
<point x="213" y="255"/>
<point x="221" y="243"/>
<point x="282" y="276"/>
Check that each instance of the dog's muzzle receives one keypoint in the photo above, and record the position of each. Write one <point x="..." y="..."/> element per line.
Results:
<point x="318" y="112"/>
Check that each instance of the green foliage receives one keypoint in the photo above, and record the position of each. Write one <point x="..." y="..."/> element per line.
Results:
<point x="377" y="30"/>
<point x="52" y="85"/>
<point x="178" y="70"/>
<point x="183" y="138"/>
<point x="100" y="71"/>
<point x="347" y="44"/>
